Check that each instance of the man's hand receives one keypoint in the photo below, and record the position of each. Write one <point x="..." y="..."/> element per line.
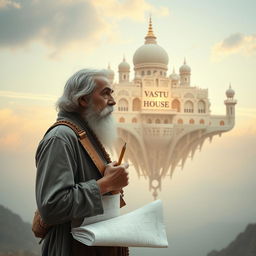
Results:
<point x="114" y="179"/>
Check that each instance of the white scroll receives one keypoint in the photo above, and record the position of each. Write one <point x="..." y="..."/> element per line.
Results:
<point x="143" y="227"/>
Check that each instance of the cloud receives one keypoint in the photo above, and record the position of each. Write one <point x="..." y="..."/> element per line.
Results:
<point x="9" y="3"/>
<point x="131" y="9"/>
<point x="246" y="127"/>
<point x="66" y="24"/>
<point x="57" y="24"/>
<point x="27" y="96"/>
<point x="22" y="129"/>
<point x="246" y="112"/>
<point x="235" y="44"/>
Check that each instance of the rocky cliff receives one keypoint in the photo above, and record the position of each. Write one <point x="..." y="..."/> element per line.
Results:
<point x="16" y="235"/>
<point x="243" y="245"/>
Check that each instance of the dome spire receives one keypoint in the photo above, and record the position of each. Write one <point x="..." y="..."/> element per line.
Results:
<point x="150" y="38"/>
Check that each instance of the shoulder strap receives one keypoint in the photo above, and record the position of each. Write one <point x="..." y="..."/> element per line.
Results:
<point x="87" y="145"/>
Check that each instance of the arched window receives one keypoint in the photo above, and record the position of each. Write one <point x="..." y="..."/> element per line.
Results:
<point x="201" y="121"/>
<point x="222" y="123"/>
<point x="124" y="76"/>
<point x="143" y="73"/>
<point x="201" y="106"/>
<point x="122" y="105"/>
<point x="121" y="120"/>
<point x="176" y="105"/>
<point x="136" y="104"/>
<point x="191" y="121"/>
<point x="149" y="121"/>
<point x="180" y="121"/>
<point x="188" y="107"/>
<point x="166" y="121"/>
<point x="157" y="121"/>
<point x="148" y="72"/>
<point x="134" y="120"/>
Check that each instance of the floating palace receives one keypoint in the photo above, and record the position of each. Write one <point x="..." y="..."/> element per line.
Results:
<point x="163" y="119"/>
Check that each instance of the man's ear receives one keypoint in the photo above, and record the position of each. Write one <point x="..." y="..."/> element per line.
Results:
<point x="83" y="102"/>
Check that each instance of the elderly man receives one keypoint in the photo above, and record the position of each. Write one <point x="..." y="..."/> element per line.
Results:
<point x="69" y="187"/>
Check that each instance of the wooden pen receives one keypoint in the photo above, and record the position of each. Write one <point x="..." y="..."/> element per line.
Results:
<point x="121" y="154"/>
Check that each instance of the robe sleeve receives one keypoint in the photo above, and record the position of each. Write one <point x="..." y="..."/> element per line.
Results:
<point x="58" y="198"/>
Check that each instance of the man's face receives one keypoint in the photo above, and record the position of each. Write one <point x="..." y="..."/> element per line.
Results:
<point x="102" y="95"/>
<point x="98" y="112"/>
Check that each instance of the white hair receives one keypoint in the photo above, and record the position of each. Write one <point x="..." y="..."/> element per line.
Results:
<point x="80" y="84"/>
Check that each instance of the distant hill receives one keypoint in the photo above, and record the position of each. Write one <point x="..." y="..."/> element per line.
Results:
<point x="243" y="245"/>
<point x="15" y="235"/>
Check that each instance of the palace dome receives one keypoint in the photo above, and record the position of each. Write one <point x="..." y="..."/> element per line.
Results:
<point x="230" y="92"/>
<point x="185" y="68"/>
<point x="150" y="53"/>
<point x="110" y="73"/>
<point x="174" y="76"/>
<point x="124" y="66"/>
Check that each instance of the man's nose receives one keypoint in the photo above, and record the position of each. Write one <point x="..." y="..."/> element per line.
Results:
<point x="111" y="101"/>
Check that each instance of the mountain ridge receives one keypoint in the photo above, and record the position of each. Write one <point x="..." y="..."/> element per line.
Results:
<point x="243" y="245"/>
<point x="16" y="235"/>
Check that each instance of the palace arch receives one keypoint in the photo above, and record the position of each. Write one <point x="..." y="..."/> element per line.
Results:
<point x="136" y="104"/>
<point x="201" y="106"/>
<point x="123" y="105"/>
<point x="188" y="107"/>
<point x="176" y="105"/>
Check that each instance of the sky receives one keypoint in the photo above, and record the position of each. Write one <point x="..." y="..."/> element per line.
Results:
<point x="42" y="43"/>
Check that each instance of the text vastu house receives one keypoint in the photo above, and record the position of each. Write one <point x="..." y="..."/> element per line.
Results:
<point x="163" y="119"/>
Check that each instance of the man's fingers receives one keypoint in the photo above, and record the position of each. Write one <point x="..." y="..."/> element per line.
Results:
<point x="125" y="165"/>
<point x="112" y="164"/>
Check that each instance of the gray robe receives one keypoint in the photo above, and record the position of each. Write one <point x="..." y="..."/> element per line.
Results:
<point x="66" y="188"/>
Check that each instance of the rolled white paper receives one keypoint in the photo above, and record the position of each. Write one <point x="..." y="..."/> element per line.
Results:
<point x="143" y="227"/>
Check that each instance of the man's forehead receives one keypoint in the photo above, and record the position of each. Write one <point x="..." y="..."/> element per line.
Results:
<point x="102" y="82"/>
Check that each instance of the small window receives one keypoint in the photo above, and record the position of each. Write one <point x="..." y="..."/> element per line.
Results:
<point x="121" y="120"/>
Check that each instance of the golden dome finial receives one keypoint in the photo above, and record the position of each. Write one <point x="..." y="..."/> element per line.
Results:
<point x="150" y="28"/>
<point x="150" y="37"/>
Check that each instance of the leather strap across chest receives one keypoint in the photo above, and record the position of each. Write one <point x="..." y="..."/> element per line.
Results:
<point x="89" y="148"/>
<point x="86" y="143"/>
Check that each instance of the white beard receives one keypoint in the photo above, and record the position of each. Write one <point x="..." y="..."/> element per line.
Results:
<point x="102" y="124"/>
